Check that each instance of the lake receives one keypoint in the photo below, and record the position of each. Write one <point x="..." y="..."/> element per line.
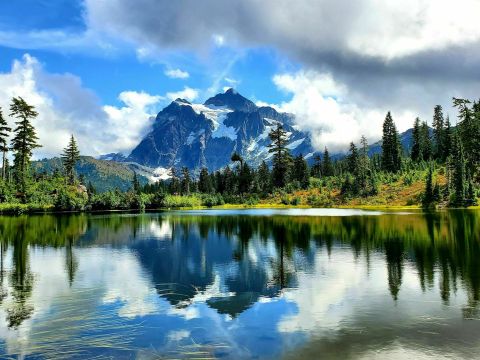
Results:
<point x="241" y="284"/>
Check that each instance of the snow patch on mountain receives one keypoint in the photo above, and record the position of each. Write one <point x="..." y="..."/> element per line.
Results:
<point x="295" y="144"/>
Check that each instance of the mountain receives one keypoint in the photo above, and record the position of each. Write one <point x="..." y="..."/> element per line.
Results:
<point x="104" y="175"/>
<point x="206" y="135"/>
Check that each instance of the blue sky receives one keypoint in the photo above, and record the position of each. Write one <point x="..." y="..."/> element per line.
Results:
<point x="101" y="69"/>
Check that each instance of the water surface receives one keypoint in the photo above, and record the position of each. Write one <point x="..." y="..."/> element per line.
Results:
<point x="241" y="284"/>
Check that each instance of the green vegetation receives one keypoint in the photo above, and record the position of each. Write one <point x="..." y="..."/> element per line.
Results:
<point x="442" y="169"/>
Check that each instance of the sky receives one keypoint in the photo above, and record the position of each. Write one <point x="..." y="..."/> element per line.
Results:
<point x="101" y="69"/>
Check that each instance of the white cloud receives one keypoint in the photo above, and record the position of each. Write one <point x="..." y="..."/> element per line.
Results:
<point x="383" y="28"/>
<point x="177" y="74"/>
<point x="187" y="93"/>
<point x="323" y="107"/>
<point x="66" y="107"/>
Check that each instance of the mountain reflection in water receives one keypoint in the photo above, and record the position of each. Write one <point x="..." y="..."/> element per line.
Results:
<point x="241" y="285"/>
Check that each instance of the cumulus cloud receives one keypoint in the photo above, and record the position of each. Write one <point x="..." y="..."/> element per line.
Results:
<point x="177" y="74"/>
<point x="66" y="107"/>
<point x="187" y="93"/>
<point x="323" y="107"/>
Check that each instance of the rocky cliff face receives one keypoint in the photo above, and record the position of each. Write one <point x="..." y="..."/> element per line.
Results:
<point x="205" y="135"/>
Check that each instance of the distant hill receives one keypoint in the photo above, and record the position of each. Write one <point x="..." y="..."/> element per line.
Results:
<point x="104" y="175"/>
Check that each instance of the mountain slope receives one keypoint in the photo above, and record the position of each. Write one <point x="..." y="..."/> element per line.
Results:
<point x="205" y="135"/>
<point x="104" y="175"/>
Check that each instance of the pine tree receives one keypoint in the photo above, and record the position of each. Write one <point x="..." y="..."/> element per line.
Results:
<point x="245" y="179"/>
<point x="426" y="142"/>
<point x="281" y="156"/>
<point x="391" y="160"/>
<point x="353" y="159"/>
<point x="70" y="156"/>
<point x="264" y="178"/>
<point x="416" y="141"/>
<point x="300" y="171"/>
<point x="24" y="140"/>
<point x="327" y="166"/>
<point x="439" y="133"/>
<point x="135" y="183"/>
<point x="428" y="195"/>
<point x="174" y="186"/>
<point x="185" y="185"/>
<point x="4" y="133"/>
<point x="228" y="181"/>
<point x="205" y="182"/>
<point x="469" y="126"/>
<point x="458" y="173"/>
<point x="317" y="166"/>
<point x="448" y="137"/>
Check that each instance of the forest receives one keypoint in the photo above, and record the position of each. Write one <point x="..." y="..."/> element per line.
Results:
<point x="442" y="169"/>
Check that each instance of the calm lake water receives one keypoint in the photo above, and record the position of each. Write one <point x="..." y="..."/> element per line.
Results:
<point x="294" y="284"/>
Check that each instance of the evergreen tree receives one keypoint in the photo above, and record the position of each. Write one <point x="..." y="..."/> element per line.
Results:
<point x="264" y="178"/>
<point x="4" y="133"/>
<point x="281" y="156"/>
<point x="228" y="181"/>
<point x="469" y="126"/>
<point x="416" y="141"/>
<point x="353" y="160"/>
<point x="135" y="183"/>
<point x="300" y="171"/>
<point x="185" y="184"/>
<point x="245" y="179"/>
<point x="426" y="142"/>
<point x="391" y="160"/>
<point x="428" y="196"/>
<point x="448" y="137"/>
<point x="174" y="186"/>
<point x="70" y="156"/>
<point x="327" y="166"/>
<point x="205" y="182"/>
<point x="458" y="173"/>
<point x="317" y="166"/>
<point x="439" y="133"/>
<point x="24" y="140"/>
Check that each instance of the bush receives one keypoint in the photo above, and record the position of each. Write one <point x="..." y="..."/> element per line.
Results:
<point x="70" y="199"/>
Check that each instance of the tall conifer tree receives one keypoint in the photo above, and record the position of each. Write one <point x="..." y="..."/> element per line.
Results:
<point x="4" y="134"/>
<point x="24" y="140"/>
<point x="70" y="157"/>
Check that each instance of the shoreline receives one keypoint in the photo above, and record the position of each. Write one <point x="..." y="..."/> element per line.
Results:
<point x="23" y="209"/>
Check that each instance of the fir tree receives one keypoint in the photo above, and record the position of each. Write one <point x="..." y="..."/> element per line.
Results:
<point x="174" y="186"/>
<point x="458" y="173"/>
<point x="205" y="182"/>
<point x="300" y="171"/>
<point x="4" y="134"/>
<point x="426" y="142"/>
<point x="391" y="160"/>
<point x="135" y="183"/>
<point x="185" y="185"/>
<point x="416" y="141"/>
<point x="439" y="133"/>
<point x="428" y="196"/>
<point x="353" y="159"/>
<point x="264" y="178"/>
<point x="245" y="179"/>
<point x="24" y="140"/>
<point x="327" y="166"/>
<point x="448" y="137"/>
<point x="317" y="166"/>
<point x="281" y="156"/>
<point x="70" y="156"/>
